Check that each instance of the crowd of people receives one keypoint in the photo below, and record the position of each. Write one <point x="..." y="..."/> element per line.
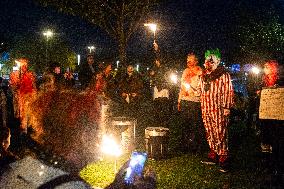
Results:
<point x="204" y="99"/>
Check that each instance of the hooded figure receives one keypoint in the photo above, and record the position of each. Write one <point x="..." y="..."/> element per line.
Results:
<point x="23" y="86"/>
<point x="216" y="101"/>
<point x="271" y="75"/>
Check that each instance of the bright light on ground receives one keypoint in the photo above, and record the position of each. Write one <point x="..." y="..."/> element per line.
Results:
<point x="109" y="146"/>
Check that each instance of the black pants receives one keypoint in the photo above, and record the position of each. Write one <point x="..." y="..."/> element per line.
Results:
<point x="192" y="126"/>
<point x="267" y="128"/>
<point x="162" y="111"/>
<point x="278" y="146"/>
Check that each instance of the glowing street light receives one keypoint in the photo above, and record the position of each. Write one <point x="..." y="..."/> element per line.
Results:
<point x="48" y="34"/>
<point x="78" y="59"/>
<point x="91" y="48"/>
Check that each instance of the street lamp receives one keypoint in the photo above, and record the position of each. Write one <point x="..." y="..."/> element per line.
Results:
<point x="48" y="34"/>
<point x="91" y="48"/>
<point x="78" y="59"/>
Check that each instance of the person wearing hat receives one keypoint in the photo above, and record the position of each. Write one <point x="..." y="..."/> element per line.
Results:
<point x="216" y="101"/>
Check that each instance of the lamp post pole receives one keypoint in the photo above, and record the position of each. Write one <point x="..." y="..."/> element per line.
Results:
<point x="48" y="34"/>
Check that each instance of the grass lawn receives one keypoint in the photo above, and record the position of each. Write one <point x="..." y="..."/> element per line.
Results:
<point x="184" y="171"/>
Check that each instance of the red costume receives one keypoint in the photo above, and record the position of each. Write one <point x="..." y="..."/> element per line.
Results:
<point x="270" y="76"/>
<point x="22" y="83"/>
<point x="216" y="100"/>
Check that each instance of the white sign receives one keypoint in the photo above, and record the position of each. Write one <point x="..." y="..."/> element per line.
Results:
<point x="272" y="104"/>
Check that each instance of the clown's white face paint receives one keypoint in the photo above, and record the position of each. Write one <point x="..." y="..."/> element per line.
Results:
<point x="211" y="63"/>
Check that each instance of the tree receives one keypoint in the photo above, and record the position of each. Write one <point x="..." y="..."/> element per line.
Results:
<point x="118" y="18"/>
<point x="260" y="35"/>
<point x="39" y="55"/>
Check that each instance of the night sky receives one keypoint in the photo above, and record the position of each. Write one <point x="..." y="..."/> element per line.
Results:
<point x="24" y="17"/>
<point x="184" y="25"/>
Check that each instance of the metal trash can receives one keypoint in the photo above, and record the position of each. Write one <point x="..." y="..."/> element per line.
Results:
<point x="124" y="130"/>
<point x="157" y="139"/>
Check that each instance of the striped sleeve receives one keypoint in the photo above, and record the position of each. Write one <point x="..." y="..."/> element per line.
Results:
<point x="228" y="92"/>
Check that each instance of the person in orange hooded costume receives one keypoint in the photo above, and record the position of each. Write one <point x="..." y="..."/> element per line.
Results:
<point x="22" y="83"/>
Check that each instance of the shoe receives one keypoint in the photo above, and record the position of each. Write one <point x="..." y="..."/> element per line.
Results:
<point x="224" y="167"/>
<point x="223" y="170"/>
<point x="209" y="161"/>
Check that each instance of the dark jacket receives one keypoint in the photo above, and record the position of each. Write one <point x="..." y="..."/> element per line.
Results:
<point x="131" y="84"/>
<point x="160" y="79"/>
<point x="86" y="74"/>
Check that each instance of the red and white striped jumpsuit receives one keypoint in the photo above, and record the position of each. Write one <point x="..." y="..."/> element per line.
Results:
<point x="217" y="97"/>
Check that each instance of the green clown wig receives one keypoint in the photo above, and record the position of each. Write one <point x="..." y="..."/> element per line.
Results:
<point x="213" y="54"/>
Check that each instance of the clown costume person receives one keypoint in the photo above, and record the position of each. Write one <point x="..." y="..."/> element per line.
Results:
<point x="216" y="101"/>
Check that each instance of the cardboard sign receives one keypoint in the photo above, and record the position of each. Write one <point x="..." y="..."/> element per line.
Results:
<point x="272" y="104"/>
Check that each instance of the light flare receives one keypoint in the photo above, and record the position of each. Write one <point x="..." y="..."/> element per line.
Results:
<point x="152" y="26"/>
<point x="174" y="78"/>
<point x="187" y="86"/>
<point x="255" y="70"/>
<point x="109" y="146"/>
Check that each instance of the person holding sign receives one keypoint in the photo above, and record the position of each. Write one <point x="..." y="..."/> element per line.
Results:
<point x="271" y="120"/>
<point x="269" y="79"/>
